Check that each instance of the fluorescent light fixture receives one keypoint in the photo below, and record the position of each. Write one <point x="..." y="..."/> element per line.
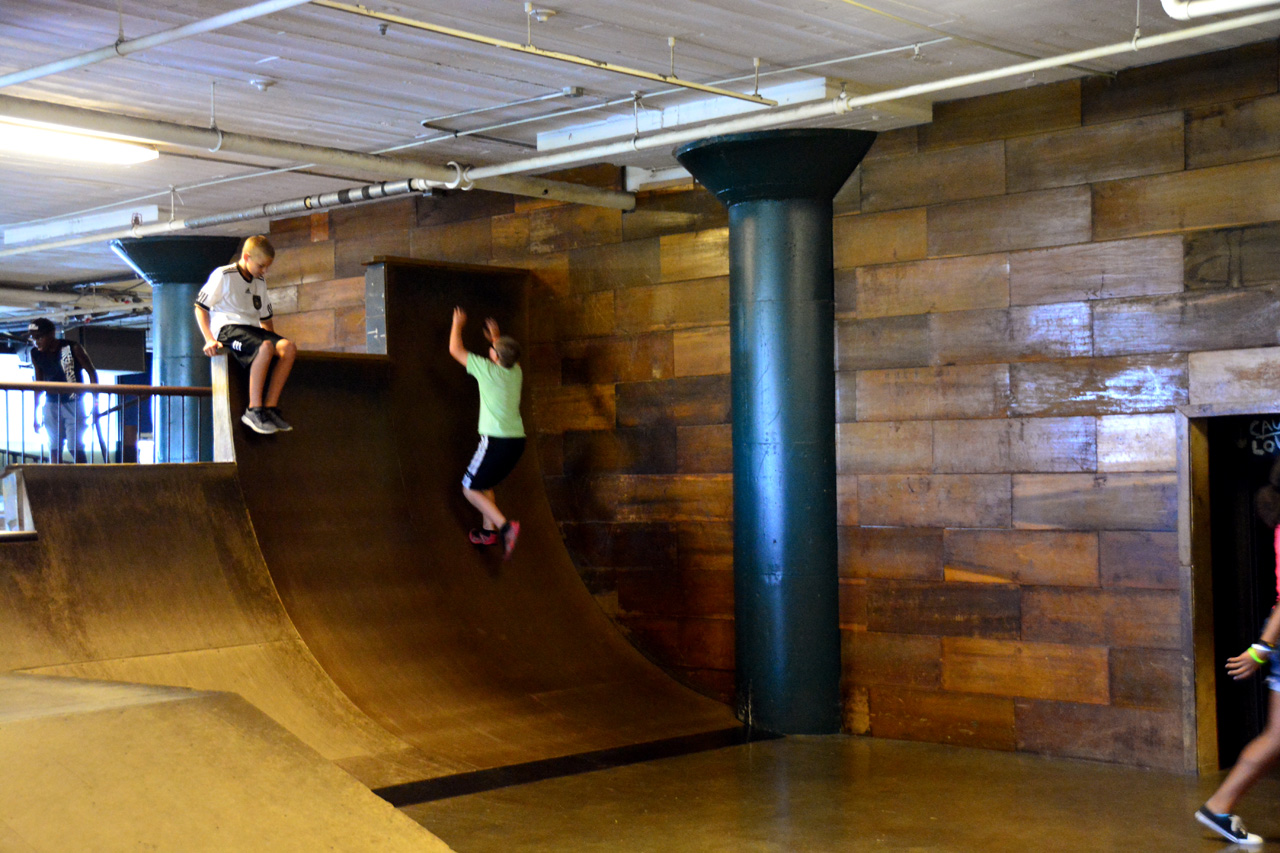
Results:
<point x="53" y="143"/>
<point x="54" y="229"/>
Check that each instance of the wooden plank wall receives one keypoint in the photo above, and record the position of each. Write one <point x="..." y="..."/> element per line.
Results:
<point x="1026" y="289"/>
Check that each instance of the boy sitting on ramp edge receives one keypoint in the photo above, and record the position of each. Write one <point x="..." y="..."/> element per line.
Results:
<point x="501" y="428"/>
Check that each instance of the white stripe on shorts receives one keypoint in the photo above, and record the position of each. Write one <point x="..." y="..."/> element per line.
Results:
<point x="474" y="465"/>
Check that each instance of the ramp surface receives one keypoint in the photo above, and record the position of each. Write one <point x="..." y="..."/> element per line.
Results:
<point x="475" y="662"/>
<point x="372" y="630"/>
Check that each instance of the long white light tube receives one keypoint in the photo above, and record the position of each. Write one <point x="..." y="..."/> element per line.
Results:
<point x="1185" y="10"/>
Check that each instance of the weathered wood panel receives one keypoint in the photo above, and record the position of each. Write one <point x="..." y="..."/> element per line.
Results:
<point x="339" y="293"/>
<point x="573" y="407"/>
<point x="597" y="361"/>
<point x="1235" y="377"/>
<point x="1025" y="333"/>
<point x="685" y="401"/>
<point x="884" y="447"/>
<point x="1099" y="386"/>
<point x="469" y="242"/>
<point x="614" y="266"/>
<point x="879" y="238"/>
<point x="895" y="143"/>
<point x="572" y="226"/>
<point x="1146" y="678"/>
<point x="701" y="352"/>
<point x="1139" y="560"/>
<point x="1215" y="197"/>
<point x="1143" y="146"/>
<point x="673" y="593"/>
<point x="1026" y="669"/>
<point x="671" y="211"/>
<point x="309" y="330"/>
<point x="1123" y="735"/>
<point x="1123" y="618"/>
<point x="297" y="231"/>
<point x="938" y="500"/>
<point x="984" y="722"/>
<point x="284" y="300"/>
<point x="1229" y="133"/>
<point x="1021" y="556"/>
<point x="933" y="177"/>
<point x="919" y="287"/>
<point x="302" y="264"/>
<point x="704" y="449"/>
<point x="673" y="306"/>
<point x="1001" y="115"/>
<point x="445" y="207"/>
<point x="847" y="500"/>
<point x="853" y="606"/>
<point x="349" y="334"/>
<point x="363" y="233"/>
<point x="705" y="545"/>
<point x="1140" y="267"/>
<point x="630" y="451"/>
<point x="698" y="254"/>
<point x="873" y="658"/>
<point x="1095" y="502"/>
<point x="1210" y="78"/>
<point x="706" y="643"/>
<point x="944" y="610"/>
<point x="1010" y="446"/>
<point x="1187" y="322"/>
<point x="883" y="342"/>
<point x="1233" y="257"/>
<point x="560" y="319"/>
<point x="643" y="498"/>
<point x="621" y="546"/>
<point x="1138" y="443"/>
<point x="1027" y="220"/>
<point x="894" y="553"/>
<point x="855" y="709"/>
<point x="932" y="393"/>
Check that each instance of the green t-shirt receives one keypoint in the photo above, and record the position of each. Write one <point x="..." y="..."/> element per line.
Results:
<point x="499" y="397"/>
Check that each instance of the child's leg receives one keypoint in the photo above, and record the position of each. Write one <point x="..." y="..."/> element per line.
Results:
<point x="483" y="501"/>
<point x="1254" y="760"/>
<point x="258" y="374"/>
<point x="285" y="352"/>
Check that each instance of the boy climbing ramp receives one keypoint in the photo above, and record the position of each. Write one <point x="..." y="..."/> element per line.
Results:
<point x="233" y="310"/>
<point x="501" y="428"/>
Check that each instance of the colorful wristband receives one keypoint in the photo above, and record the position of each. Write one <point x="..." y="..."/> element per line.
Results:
<point x="1255" y="657"/>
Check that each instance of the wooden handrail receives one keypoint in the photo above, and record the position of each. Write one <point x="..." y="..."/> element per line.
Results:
<point x="128" y="390"/>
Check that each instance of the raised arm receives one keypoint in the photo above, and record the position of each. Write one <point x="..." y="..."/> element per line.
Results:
<point x="456" y="349"/>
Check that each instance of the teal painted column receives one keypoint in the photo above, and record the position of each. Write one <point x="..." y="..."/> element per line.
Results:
<point x="778" y="187"/>
<point x="176" y="267"/>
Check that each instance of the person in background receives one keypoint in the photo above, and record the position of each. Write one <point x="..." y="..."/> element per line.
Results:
<point x="55" y="359"/>
<point x="1260" y="753"/>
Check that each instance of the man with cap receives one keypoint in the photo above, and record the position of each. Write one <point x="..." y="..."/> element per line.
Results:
<point x="57" y="359"/>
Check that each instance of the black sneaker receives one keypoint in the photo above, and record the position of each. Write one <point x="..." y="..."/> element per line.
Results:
<point x="273" y="415"/>
<point x="510" y="532"/>
<point x="1228" y="826"/>
<point x="256" y="420"/>
<point x="483" y="537"/>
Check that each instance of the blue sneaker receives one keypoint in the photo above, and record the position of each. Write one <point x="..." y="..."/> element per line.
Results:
<point x="1228" y="826"/>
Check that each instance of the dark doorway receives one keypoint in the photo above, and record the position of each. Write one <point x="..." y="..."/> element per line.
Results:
<point x="1242" y="450"/>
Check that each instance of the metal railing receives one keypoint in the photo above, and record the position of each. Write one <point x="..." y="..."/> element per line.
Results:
<point x="104" y="424"/>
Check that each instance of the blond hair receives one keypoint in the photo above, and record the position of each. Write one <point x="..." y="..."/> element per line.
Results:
<point x="259" y="248"/>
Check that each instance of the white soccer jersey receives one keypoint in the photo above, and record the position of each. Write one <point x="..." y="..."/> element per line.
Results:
<point x="230" y="299"/>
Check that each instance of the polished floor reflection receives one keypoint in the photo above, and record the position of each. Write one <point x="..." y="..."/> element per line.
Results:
<point x="846" y="794"/>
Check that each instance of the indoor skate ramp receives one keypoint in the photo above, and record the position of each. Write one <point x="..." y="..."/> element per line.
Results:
<point x="358" y="512"/>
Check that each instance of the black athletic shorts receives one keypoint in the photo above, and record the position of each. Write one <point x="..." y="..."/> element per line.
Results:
<point x="244" y="341"/>
<point x="494" y="459"/>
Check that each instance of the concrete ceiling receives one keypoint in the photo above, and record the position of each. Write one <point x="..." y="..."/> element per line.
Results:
<point x="334" y="78"/>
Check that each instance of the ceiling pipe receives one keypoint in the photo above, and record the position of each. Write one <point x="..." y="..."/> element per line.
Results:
<point x="840" y="106"/>
<point x="600" y="65"/>
<point x="125" y="47"/>
<point x="292" y="207"/>
<point x="379" y="165"/>
<point x="1185" y="10"/>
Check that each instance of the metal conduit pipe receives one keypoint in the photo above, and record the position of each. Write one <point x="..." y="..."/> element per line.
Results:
<point x="212" y="139"/>
<point x="307" y="204"/>
<point x="840" y="106"/>
<point x="1185" y="10"/>
<point x="126" y="47"/>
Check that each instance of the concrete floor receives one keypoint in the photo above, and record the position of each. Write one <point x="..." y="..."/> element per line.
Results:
<point x="846" y="794"/>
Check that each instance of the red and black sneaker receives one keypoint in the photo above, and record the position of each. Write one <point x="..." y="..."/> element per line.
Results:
<point x="479" y="536"/>
<point x="510" y="532"/>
